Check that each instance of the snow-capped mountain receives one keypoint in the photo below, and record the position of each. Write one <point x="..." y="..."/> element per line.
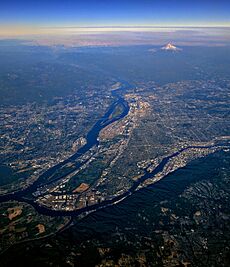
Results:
<point x="170" y="47"/>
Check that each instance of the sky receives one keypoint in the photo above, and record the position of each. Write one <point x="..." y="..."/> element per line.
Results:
<point x="67" y="13"/>
<point x="56" y="16"/>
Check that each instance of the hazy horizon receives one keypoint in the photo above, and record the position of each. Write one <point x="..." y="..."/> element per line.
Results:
<point x="26" y="17"/>
<point x="118" y="36"/>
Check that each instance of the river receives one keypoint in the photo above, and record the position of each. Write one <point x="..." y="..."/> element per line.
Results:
<point x="92" y="140"/>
